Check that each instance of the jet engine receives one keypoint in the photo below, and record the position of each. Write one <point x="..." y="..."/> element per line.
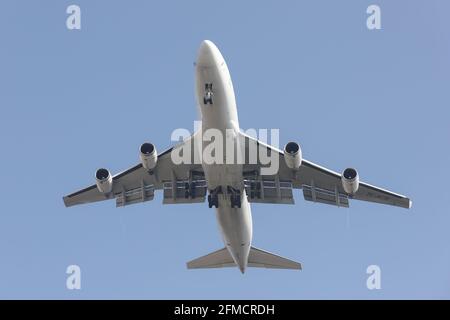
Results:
<point x="103" y="180"/>
<point x="149" y="156"/>
<point x="293" y="155"/>
<point x="350" y="180"/>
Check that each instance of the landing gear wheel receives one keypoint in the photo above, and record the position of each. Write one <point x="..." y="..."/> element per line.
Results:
<point x="255" y="190"/>
<point x="213" y="201"/>
<point x="192" y="190"/>
<point x="236" y="200"/>
<point x="208" y="94"/>
<point x="186" y="190"/>
<point x="207" y="99"/>
<point x="210" y="204"/>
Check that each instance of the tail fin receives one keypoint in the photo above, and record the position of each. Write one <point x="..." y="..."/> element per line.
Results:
<point x="257" y="258"/>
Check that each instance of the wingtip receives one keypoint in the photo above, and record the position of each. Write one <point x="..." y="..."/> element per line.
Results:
<point x="66" y="202"/>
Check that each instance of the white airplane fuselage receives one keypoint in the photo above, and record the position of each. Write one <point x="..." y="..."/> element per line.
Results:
<point x="218" y="111"/>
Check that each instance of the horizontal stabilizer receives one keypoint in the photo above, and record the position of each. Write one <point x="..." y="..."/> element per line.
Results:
<point x="262" y="259"/>
<point x="257" y="258"/>
<point x="218" y="259"/>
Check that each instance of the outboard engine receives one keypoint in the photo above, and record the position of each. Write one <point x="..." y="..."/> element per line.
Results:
<point x="149" y="155"/>
<point x="103" y="180"/>
<point x="350" y="180"/>
<point x="293" y="155"/>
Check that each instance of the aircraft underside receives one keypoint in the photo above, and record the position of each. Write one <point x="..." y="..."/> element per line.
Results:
<point x="229" y="188"/>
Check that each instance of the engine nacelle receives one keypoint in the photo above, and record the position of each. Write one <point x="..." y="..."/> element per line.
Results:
<point x="350" y="180"/>
<point x="104" y="181"/>
<point x="149" y="155"/>
<point x="293" y="155"/>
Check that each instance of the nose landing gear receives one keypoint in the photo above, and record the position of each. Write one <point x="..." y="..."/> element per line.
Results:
<point x="208" y="98"/>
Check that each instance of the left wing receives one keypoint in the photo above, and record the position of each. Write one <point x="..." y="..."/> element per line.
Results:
<point x="182" y="183"/>
<point x="318" y="183"/>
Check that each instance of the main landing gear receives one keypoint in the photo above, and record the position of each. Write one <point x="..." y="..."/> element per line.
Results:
<point x="189" y="190"/>
<point x="235" y="197"/>
<point x="213" y="197"/>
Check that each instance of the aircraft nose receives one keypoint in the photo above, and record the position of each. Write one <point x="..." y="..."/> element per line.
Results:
<point x="206" y="44"/>
<point x="207" y="54"/>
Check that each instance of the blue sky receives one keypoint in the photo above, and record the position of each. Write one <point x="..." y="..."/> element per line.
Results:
<point x="73" y="101"/>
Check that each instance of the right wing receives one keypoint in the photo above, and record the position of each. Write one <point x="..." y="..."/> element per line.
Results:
<point x="319" y="184"/>
<point x="181" y="183"/>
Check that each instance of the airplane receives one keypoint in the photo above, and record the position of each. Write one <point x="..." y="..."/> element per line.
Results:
<point x="229" y="187"/>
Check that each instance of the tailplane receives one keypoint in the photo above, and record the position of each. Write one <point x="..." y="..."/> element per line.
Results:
<point x="262" y="259"/>
<point x="257" y="258"/>
<point x="217" y="259"/>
